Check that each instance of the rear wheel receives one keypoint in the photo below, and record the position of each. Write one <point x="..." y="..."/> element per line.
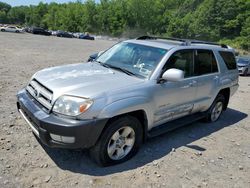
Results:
<point x="119" y="142"/>
<point x="2" y="30"/>
<point x="17" y="31"/>
<point x="216" y="109"/>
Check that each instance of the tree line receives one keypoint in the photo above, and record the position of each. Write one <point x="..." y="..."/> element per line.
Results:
<point x="214" y="20"/>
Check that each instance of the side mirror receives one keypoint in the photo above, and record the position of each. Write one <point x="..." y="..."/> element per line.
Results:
<point x="173" y="75"/>
<point x="100" y="53"/>
<point x="94" y="56"/>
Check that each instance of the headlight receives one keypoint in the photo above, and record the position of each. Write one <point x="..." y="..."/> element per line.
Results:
<point x="71" y="106"/>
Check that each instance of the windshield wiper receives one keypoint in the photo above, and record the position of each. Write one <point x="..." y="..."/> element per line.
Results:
<point x="120" y="69"/>
<point x="98" y="62"/>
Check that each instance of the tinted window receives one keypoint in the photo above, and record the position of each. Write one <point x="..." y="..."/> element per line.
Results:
<point x="182" y="60"/>
<point x="205" y="62"/>
<point x="229" y="59"/>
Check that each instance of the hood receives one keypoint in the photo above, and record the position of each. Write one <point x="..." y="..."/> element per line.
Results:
<point x="88" y="80"/>
<point x="242" y="64"/>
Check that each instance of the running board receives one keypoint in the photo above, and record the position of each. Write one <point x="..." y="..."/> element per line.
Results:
<point x="169" y="126"/>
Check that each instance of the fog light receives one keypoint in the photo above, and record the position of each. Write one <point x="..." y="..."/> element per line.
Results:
<point x="65" y="139"/>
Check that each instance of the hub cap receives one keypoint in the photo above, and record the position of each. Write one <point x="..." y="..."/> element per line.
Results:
<point x="216" y="112"/>
<point x="121" y="143"/>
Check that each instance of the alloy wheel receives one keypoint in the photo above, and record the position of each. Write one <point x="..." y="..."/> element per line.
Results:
<point x="121" y="143"/>
<point x="217" y="110"/>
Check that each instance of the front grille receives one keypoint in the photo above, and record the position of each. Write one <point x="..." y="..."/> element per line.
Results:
<point x="42" y="94"/>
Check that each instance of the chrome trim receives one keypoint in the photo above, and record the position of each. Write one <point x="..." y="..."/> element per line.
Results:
<point x="29" y="123"/>
<point x="40" y="93"/>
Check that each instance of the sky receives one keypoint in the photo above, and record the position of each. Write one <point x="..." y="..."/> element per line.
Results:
<point x="33" y="2"/>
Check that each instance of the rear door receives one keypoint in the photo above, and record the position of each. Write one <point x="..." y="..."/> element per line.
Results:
<point x="207" y="73"/>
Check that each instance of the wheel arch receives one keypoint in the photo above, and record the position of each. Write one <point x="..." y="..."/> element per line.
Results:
<point x="139" y="114"/>
<point x="226" y="93"/>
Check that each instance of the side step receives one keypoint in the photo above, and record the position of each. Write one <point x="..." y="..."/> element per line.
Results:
<point x="169" y="126"/>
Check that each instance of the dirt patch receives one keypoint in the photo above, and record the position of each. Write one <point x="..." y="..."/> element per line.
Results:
<point x="198" y="155"/>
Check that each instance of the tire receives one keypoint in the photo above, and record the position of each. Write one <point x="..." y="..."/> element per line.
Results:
<point x="2" y="30"/>
<point x="245" y="73"/>
<point x="216" y="109"/>
<point x="119" y="142"/>
<point x="17" y="31"/>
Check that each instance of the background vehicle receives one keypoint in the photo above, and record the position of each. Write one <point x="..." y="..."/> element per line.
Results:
<point x="11" y="29"/>
<point x="54" y="33"/>
<point x="64" y="34"/>
<point x="76" y="35"/>
<point x="87" y="37"/>
<point x="243" y="65"/>
<point x="39" y="31"/>
<point x="135" y="90"/>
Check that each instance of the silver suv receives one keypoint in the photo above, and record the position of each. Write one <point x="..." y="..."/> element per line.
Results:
<point x="135" y="90"/>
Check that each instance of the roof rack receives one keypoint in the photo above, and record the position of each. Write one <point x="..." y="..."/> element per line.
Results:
<point x="185" y="42"/>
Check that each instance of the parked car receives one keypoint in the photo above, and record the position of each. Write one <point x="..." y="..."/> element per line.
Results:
<point x="39" y="31"/>
<point x="54" y="33"/>
<point x="135" y="90"/>
<point x="76" y="35"/>
<point x="26" y="29"/>
<point x="64" y="34"/>
<point x="243" y="65"/>
<point x="87" y="37"/>
<point x="11" y="29"/>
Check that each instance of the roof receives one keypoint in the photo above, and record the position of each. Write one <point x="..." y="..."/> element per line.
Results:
<point x="153" y="43"/>
<point x="168" y="43"/>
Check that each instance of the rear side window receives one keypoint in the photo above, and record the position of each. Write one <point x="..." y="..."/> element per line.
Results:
<point x="205" y="62"/>
<point x="229" y="59"/>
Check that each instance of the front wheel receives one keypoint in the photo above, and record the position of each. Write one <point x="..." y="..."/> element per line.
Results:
<point x="216" y="109"/>
<point x="245" y="72"/>
<point x="119" y="142"/>
<point x="2" y="30"/>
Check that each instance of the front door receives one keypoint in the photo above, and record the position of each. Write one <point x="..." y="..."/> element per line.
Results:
<point x="176" y="99"/>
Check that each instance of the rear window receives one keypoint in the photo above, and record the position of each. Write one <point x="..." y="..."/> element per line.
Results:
<point x="229" y="59"/>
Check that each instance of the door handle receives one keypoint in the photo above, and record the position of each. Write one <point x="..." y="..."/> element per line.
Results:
<point x="191" y="84"/>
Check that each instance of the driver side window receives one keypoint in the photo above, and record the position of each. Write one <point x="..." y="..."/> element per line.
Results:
<point x="183" y="60"/>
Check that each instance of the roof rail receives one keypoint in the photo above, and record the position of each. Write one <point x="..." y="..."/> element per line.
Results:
<point x="207" y="42"/>
<point x="185" y="42"/>
<point x="145" y="37"/>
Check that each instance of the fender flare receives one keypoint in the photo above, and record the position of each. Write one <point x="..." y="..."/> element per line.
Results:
<point x="128" y="105"/>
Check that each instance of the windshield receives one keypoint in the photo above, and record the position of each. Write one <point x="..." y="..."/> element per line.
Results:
<point x="137" y="59"/>
<point x="242" y="61"/>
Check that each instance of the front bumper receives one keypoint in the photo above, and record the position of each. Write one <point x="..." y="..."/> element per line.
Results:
<point x="85" y="132"/>
<point x="241" y="70"/>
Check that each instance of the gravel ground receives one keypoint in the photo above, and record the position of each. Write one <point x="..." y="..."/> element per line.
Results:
<point x="198" y="155"/>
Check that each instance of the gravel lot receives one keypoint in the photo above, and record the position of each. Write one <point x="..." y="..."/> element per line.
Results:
<point x="198" y="155"/>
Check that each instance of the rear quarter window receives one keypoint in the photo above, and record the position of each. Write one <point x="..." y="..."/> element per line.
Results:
<point x="229" y="59"/>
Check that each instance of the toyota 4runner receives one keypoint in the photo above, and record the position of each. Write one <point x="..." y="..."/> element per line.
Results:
<point x="135" y="90"/>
